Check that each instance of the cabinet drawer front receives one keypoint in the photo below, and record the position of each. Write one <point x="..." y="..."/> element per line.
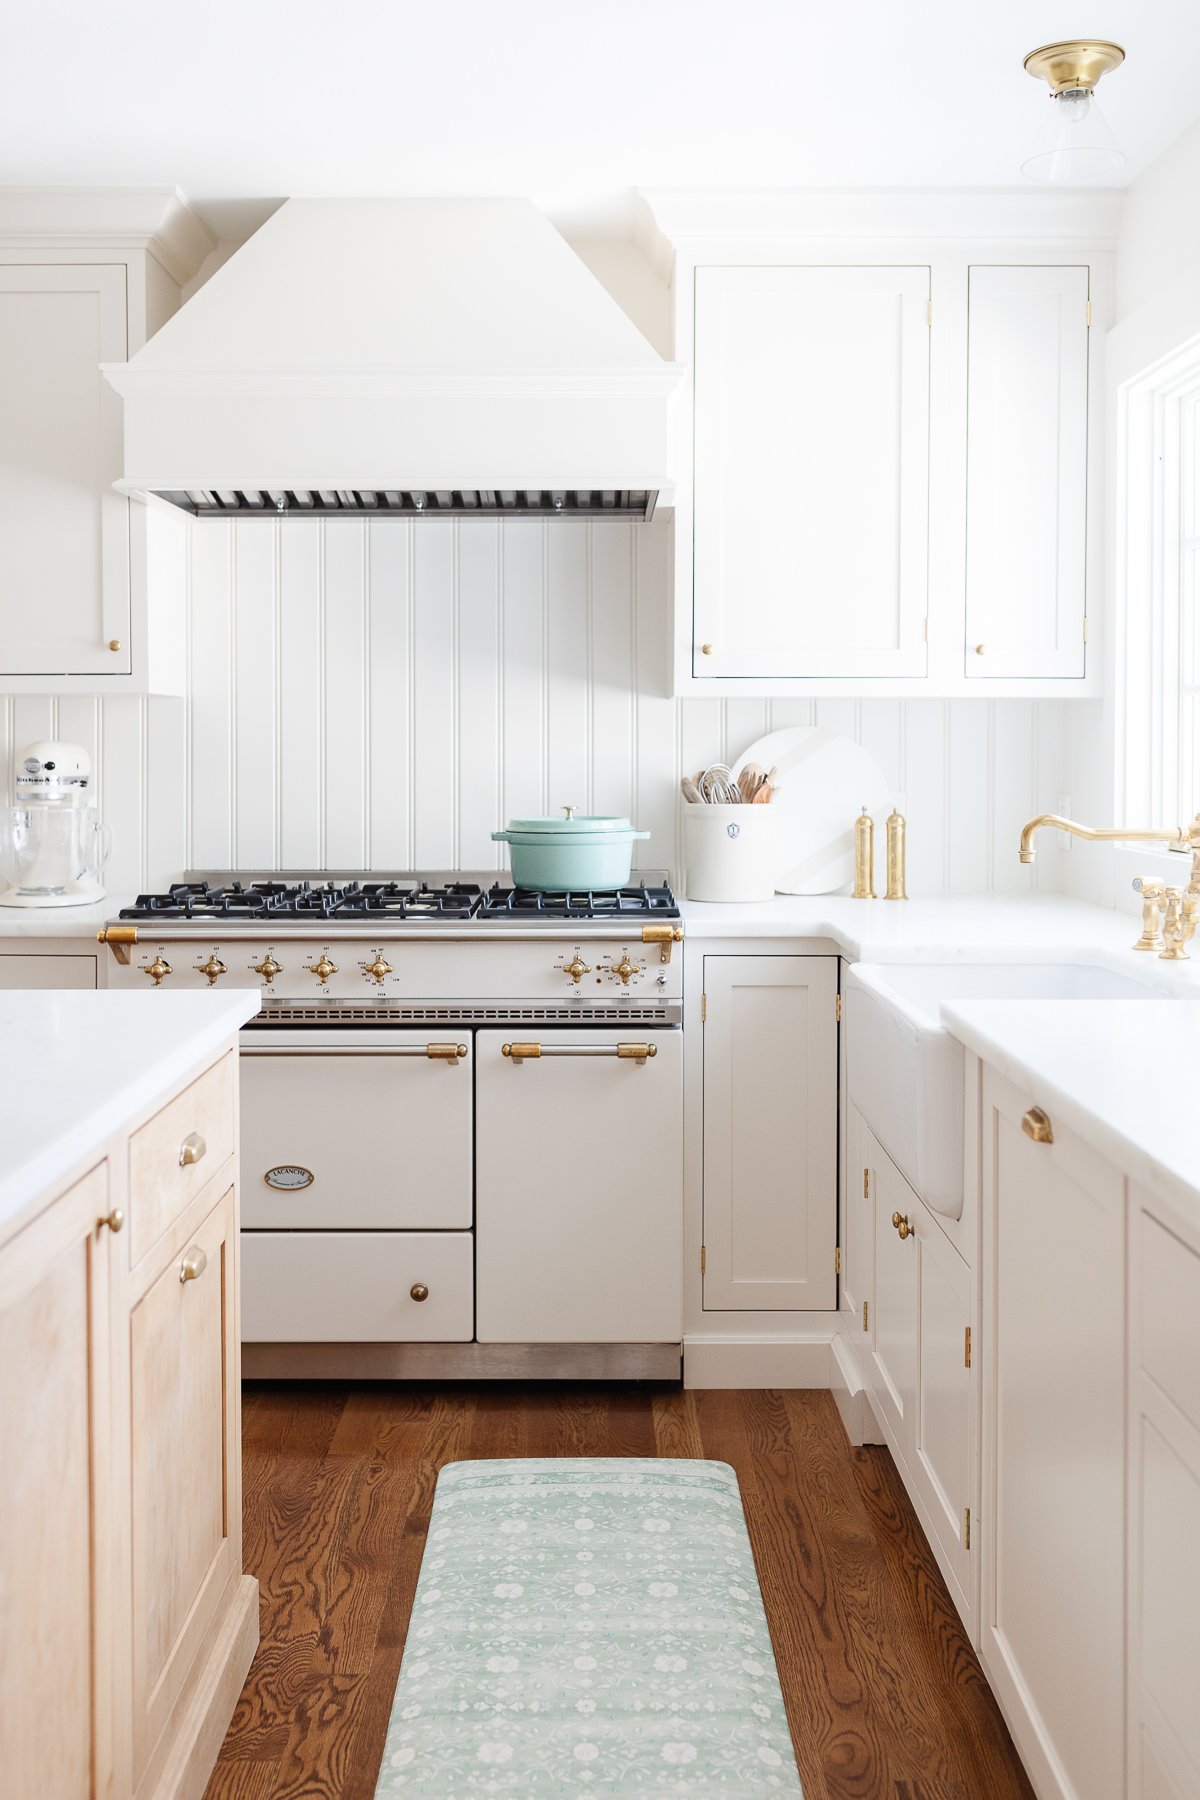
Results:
<point x="355" y="1287"/>
<point x="183" y="1363"/>
<point x="160" y="1183"/>
<point x="398" y="1159"/>
<point x="1170" y="1312"/>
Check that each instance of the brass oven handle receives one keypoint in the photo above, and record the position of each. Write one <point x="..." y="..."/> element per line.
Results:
<point x="193" y="1265"/>
<point x="450" y="1053"/>
<point x="664" y="936"/>
<point x="1036" y="1125"/>
<point x="192" y="1150"/>
<point x="444" y="1052"/>
<point x="627" y="1052"/>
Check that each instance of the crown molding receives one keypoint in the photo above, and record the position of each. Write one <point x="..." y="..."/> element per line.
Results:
<point x="156" y="220"/>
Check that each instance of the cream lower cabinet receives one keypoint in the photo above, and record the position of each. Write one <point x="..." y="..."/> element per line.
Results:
<point x="1052" y="1637"/>
<point x="128" y="1624"/>
<point x="770" y="1133"/>
<point x="915" y="1351"/>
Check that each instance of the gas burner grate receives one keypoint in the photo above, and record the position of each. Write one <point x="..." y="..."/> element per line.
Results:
<point x="588" y="903"/>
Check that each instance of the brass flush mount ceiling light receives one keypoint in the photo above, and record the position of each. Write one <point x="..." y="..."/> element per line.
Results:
<point x="1075" y="142"/>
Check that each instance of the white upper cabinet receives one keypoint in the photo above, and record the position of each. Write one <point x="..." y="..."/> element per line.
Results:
<point x="811" y="472"/>
<point x="91" y="584"/>
<point x="1027" y="471"/>
<point x="64" y="533"/>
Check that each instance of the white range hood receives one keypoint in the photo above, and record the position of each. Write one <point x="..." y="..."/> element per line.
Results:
<point x="404" y="356"/>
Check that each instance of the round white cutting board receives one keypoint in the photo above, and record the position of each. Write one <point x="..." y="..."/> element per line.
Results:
<point x="824" y="781"/>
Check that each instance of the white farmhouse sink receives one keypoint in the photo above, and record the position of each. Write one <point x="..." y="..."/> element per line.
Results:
<point x="905" y="1071"/>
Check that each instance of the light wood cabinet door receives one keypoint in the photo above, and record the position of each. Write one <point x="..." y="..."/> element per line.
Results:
<point x="1052" y="1636"/>
<point x="1027" y="471"/>
<point x="184" y="1461"/>
<point x="811" y="536"/>
<point x="55" y="1740"/>
<point x="770" y="1133"/>
<point x="64" y="533"/>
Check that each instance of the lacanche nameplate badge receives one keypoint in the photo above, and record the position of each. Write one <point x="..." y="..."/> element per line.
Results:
<point x="288" y="1177"/>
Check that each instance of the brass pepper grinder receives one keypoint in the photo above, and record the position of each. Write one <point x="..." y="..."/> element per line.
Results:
<point x="895" y="857"/>
<point x="864" y="857"/>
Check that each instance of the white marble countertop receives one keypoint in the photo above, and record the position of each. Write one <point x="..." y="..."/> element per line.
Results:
<point x="1120" y="1074"/>
<point x="61" y="921"/>
<point x="75" y="1067"/>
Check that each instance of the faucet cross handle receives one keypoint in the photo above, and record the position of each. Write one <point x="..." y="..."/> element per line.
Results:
<point x="1182" y="918"/>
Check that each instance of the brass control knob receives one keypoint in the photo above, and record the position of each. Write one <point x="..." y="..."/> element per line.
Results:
<point x="625" y="968"/>
<point x="577" y="969"/>
<point x="212" y="968"/>
<point x="157" y="969"/>
<point x="418" y="1291"/>
<point x="379" y="968"/>
<point x="268" y="968"/>
<point x="323" y="969"/>
<point x="114" y="1220"/>
<point x="900" y="1221"/>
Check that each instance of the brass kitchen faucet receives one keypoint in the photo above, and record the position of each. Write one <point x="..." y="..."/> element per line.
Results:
<point x="1170" y="915"/>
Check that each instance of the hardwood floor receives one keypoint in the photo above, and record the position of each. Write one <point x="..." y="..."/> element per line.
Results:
<point x="885" y="1697"/>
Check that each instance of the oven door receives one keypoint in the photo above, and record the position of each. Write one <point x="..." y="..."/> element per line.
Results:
<point x="579" y="1187"/>
<point x="356" y="1130"/>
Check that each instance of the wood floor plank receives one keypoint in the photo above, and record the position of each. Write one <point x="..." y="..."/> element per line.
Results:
<point x="885" y="1697"/>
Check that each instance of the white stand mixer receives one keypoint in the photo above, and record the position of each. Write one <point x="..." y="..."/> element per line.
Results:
<point x="52" y="848"/>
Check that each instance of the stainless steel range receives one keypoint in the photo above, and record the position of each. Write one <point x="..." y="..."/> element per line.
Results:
<point x="461" y="1118"/>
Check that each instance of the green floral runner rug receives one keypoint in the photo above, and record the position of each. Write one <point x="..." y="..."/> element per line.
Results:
<point x="588" y="1626"/>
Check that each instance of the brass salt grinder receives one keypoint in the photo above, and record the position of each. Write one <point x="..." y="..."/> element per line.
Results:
<point x="864" y="857"/>
<point x="895" y="857"/>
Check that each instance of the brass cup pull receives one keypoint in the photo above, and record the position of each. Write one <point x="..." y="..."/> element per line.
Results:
<point x="193" y="1265"/>
<point x="418" y="1291"/>
<point x="114" y="1220"/>
<point x="192" y="1150"/>
<point x="1036" y="1125"/>
<point x="901" y="1222"/>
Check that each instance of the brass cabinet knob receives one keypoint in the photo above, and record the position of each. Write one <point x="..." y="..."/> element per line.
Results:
<point x="114" y="1220"/>
<point x="212" y="968"/>
<point x="114" y="644"/>
<point x="193" y="1265"/>
<point x="900" y="1221"/>
<point x="1036" y="1125"/>
<point x="418" y="1291"/>
<point x="625" y="968"/>
<point x="577" y="969"/>
<point x="157" y="969"/>
<point x="268" y="968"/>
<point x="706" y="649"/>
<point x="323" y="969"/>
<point x="192" y="1150"/>
<point x="981" y="649"/>
<point x="379" y="968"/>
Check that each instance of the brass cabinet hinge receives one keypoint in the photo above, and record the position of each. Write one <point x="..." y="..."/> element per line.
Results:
<point x="837" y="1008"/>
<point x="1085" y="628"/>
<point x="929" y="312"/>
<point x="703" y="1259"/>
<point x="866" y="1315"/>
<point x="967" y="1348"/>
<point x="1088" y="315"/>
<point x="703" y="1008"/>
<point x="866" y="1184"/>
<point x="837" y="1259"/>
<point x="927" y="628"/>
<point x="966" y="1528"/>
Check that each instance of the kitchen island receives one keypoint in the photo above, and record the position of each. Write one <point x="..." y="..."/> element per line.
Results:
<point x="128" y="1622"/>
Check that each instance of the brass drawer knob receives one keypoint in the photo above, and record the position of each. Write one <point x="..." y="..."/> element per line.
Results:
<point x="192" y="1150"/>
<point x="114" y="1220"/>
<point x="1036" y="1125"/>
<point x="418" y="1291"/>
<point x="904" y="1229"/>
<point x="981" y="649"/>
<point x="193" y="1265"/>
<point x="706" y="649"/>
<point x="114" y="644"/>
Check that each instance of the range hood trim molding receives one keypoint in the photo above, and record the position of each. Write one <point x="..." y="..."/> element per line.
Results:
<point x="384" y="383"/>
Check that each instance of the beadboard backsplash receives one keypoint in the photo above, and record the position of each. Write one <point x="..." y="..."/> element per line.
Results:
<point x="385" y="695"/>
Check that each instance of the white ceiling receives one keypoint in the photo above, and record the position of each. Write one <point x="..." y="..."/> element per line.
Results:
<point x="242" y="102"/>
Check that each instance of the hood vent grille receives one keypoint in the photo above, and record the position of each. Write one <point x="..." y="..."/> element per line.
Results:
<point x="415" y="503"/>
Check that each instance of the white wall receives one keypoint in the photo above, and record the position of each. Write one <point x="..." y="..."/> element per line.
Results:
<point x="385" y="695"/>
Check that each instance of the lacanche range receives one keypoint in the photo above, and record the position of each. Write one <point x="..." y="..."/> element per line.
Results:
<point x="461" y="1104"/>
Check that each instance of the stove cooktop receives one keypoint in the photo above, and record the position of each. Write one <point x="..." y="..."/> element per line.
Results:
<point x="407" y="901"/>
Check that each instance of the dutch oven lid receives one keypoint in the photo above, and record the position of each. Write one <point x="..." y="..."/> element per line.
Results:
<point x="571" y="821"/>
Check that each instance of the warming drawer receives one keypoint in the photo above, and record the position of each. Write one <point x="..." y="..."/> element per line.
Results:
<point x="356" y="1130"/>
<point x="357" y="1287"/>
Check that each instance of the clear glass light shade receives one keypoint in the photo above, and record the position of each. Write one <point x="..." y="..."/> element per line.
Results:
<point x="1075" y="142"/>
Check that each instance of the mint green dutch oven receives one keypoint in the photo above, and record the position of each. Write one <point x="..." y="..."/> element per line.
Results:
<point x="576" y="851"/>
